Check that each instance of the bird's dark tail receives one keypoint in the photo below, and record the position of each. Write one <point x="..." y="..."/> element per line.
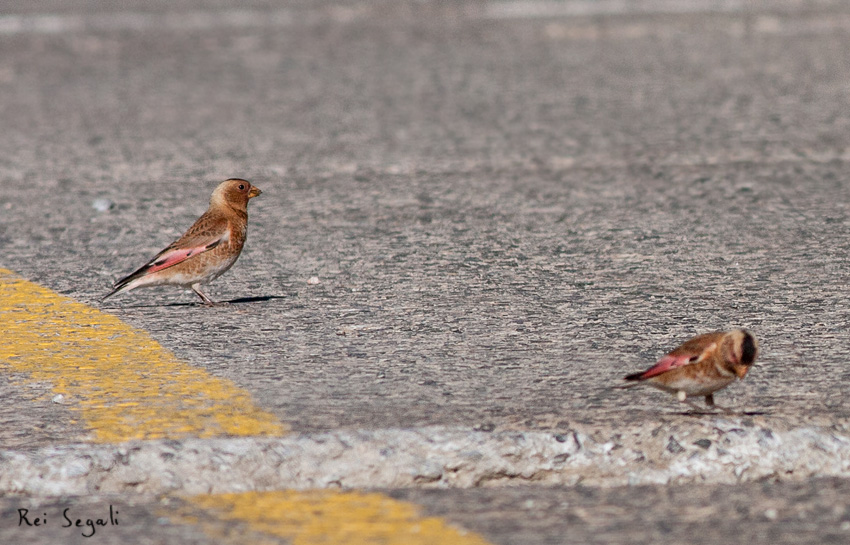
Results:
<point x="624" y="386"/>
<point x="123" y="284"/>
<point x="111" y="293"/>
<point x="120" y="285"/>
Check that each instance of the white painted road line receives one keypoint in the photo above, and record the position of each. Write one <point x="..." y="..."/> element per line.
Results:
<point x="521" y="9"/>
<point x="11" y="24"/>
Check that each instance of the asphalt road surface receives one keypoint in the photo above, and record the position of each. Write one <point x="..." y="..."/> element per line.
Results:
<point x="475" y="216"/>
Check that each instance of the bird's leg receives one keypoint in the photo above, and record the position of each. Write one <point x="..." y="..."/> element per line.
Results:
<point x="207" y="301"/>
<point x="709" y="400"/>
<point x="683" y="398"/>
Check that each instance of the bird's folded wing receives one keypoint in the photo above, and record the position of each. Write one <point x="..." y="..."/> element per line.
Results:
<point x="667" y="363"/>
<point x="177" y="254"/>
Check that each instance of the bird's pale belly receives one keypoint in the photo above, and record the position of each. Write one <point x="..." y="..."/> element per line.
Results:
<point x="205" y="269"/>
<point x="691" y="385"/>
<point x="210" y="270"/>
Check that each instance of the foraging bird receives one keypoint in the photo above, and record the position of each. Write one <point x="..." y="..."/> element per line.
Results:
<point x="702" y="365"/>
<point x="204" y="252"/>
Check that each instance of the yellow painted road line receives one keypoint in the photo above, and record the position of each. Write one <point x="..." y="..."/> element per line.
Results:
<point x="122" y="382"/>
<point x="326" y="517"/>
<point x="126" y="386"/>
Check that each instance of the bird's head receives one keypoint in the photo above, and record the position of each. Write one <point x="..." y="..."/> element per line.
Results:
<point x="234" y="193"/>
<point x="740" y="350"/>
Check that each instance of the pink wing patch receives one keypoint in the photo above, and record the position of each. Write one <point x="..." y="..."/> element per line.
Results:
<point x="667" y="363"/>
<point x="178" y="255"/>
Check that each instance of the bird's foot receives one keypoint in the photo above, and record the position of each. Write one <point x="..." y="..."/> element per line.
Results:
<point x="207" y="301"/>
<point x="709" y="401"/>
<point x="214" y="303"/>
<point x="696" y="409"/>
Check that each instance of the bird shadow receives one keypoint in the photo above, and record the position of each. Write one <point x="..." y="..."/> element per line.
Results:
<point x="707" y="412"/>
<point x="254" y="299"/>
<point x="237" y="301"/>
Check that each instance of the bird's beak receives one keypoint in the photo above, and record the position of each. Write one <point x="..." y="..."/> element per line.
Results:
<point x="254" y="192"/>
<point x="741" y="371"/>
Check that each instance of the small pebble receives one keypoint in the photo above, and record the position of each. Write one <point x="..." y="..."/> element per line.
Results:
<point x="58" y="398"/>
<point x="771" y="514"/>
<point x="101" y="205"/>
<point x="313" y="280"/>
<point x="673" y="446"/>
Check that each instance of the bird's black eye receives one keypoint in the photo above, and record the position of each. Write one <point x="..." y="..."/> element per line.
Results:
<point x="748" y="350"/>
<point x="241" y="187"/>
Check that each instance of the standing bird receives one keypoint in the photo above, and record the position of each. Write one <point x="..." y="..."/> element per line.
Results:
<point x="702" y="365"/>
<point x="204" y="252"/>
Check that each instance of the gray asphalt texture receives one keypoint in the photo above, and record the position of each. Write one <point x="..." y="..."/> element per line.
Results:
<point x="506" y="214"/>
<point x="785" y="513"/>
